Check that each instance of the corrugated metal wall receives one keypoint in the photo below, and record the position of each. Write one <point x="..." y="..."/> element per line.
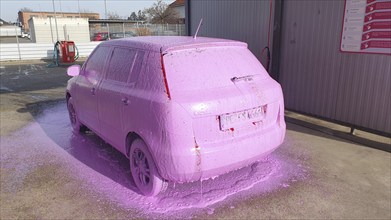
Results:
<point x="246" y="21"/>
<point x="316" y="78"/>
<point x="319" y="80"/>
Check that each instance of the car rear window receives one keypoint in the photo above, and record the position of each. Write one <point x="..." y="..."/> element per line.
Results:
<point x="212" y="67"/>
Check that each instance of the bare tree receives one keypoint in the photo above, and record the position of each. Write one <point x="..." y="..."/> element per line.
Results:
<point x="160" y="13"/>
<point x="25" y="9"/>
<point x="143" y="31"/>
<point x="141" y="16"/>
<point x="113" y="15"/>
<point x="133" y="17"/>
<point x="85" y="11"/>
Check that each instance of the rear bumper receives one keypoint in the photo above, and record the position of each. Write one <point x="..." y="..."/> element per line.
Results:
<point x="206" y="160"/>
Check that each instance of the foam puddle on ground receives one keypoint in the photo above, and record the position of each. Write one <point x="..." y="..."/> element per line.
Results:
<point x="106" y="174"/>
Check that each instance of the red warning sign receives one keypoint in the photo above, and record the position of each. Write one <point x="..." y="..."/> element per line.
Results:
<point x="367" y="26"/>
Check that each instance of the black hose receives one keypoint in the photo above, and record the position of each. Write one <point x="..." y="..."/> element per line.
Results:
<point x="56" y="55"/>
<point x="268" y="58"/>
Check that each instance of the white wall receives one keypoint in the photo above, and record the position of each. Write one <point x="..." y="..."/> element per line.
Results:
<point x="34" y="51"/>
<point x="9" y="31"/>
<point x="43" y="30"/>
<point x="181" y="11"/>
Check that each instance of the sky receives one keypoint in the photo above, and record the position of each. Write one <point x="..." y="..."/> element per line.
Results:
<point x="9" y="8"/>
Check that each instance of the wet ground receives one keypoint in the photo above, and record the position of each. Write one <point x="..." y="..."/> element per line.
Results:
<point x="12" y="40"/>
<point x="49" y="172"/>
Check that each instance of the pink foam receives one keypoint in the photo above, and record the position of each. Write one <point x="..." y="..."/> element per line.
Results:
<point x="104" y="172"/>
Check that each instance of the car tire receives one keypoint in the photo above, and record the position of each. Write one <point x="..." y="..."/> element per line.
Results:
<point x="143" y="169"/>
<point x="77" y="126"/>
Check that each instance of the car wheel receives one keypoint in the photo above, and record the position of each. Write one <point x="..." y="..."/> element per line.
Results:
<point x="76" y="125"/>
<point x="144" y="171"/>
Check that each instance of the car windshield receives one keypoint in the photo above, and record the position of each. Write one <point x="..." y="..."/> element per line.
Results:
<point x="210" y="67"/>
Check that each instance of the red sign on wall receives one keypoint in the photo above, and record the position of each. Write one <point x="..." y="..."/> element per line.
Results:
<point x="367" y="26"/>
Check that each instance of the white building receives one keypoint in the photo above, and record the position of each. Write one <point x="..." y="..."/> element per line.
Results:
<point x="48" y="30"/>
<point x="179" y="6"/>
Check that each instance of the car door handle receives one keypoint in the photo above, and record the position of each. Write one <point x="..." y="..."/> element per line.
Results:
<point x="125" y="101"/>
<point x="93" y="91"/>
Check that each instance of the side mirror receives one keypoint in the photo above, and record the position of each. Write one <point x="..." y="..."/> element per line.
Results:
<point x="73" y="70"/>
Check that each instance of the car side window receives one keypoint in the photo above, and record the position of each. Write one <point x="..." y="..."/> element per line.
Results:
<point x="121" y="63"/>
<point x="137" y="67"/>
<point x="96" y="63"/>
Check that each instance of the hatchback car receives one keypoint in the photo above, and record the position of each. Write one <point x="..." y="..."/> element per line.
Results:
<point x="122" y="35"/>
<point x="181" y="109"/>
<point x="101" y="36"/>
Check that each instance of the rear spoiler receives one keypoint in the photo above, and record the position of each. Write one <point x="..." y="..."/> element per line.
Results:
<point x="186" y="46"/>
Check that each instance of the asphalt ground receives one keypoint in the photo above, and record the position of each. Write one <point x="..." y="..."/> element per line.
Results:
<point x="49" y="173"/>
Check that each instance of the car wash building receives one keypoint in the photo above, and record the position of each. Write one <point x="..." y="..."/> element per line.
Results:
<point x="332" y="58"/>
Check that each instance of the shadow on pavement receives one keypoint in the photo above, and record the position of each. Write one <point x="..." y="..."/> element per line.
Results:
<point x="342" y="136"/>
<point x="87" y="147"/>
<point x="21" y="77"/>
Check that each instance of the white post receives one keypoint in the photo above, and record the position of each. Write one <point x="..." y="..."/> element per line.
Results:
<point x="123" y="28"/>
<point x="17" y="42"/>
<point x="78" y="6"/>
<point x="108" y="27"/>
<point x="62" y="14"/>
<point x="55" y="19"/>
<point x="105" y="10"/>
<point x="66" y="36"/>
<point x="51" y="29"/>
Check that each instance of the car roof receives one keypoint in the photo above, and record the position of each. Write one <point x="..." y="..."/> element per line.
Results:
<point x="165" y="44"/>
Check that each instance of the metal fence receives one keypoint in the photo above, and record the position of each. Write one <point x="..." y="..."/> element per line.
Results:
<point x="32" y="51"/>
<point x="98" y="32"/>
<point x="104" y="31"/>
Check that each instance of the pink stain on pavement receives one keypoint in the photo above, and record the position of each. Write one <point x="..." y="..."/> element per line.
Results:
<point x="105" y="171"/>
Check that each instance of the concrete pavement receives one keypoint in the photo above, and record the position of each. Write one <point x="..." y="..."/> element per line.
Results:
<point x="317" y="176"/>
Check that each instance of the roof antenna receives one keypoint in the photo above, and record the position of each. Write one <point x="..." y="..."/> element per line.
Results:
<point x="199" y="25"/>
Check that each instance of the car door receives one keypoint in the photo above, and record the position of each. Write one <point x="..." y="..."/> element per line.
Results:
<point x="86" y="91"/>
<point x="111" y="101"/>
<point x="135" y="113"/>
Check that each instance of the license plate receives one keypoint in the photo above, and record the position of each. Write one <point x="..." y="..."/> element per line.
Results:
<point x="242" y="118"/>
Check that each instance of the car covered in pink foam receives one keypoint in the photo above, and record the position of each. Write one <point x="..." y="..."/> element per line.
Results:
<point x="181" y="109"/>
